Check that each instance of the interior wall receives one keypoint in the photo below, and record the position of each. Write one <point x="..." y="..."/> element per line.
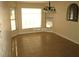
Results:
<point x="5" y="39"/>
<point x="20" y="5"/>
<point x="62" y="27"/>
<point x="30" y="5"/>
<point x="13" y="4"/>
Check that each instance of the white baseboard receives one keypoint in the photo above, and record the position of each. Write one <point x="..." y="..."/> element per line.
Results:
<point x="15" y="34"/>
<point x="67" y="38"/>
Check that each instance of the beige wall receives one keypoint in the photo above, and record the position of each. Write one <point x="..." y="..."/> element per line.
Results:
<point x="62" y="27"/>
<point x="5" y="39"/>
<point x="29" y="5"/>
<point x="18" y="6"/>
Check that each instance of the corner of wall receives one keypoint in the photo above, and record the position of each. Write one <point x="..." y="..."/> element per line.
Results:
<point x="67" y="38"/>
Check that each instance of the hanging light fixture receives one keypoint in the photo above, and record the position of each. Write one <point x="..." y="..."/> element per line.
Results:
<point x="49" y="9"/>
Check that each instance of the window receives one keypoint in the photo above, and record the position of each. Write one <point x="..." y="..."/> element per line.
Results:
<point x="49" y="20"/>
<point x="48" y="24"/>
<point x="31" y="18"/>
<point x="12" y="18"/>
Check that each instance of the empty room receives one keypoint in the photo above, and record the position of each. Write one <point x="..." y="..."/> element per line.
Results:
<point x="39" y="28"/>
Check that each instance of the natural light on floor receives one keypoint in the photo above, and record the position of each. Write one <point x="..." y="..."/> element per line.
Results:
<point x="31" y="18"/>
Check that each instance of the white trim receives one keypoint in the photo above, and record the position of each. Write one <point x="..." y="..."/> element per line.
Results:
<point x="67" y="38"/>
<point x="25" y="31"/>
<point x="43" y="30"/>
<point x="14" y="33"/>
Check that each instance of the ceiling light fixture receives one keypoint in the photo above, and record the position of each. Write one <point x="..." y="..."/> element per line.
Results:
<point x="49" y="9"/>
